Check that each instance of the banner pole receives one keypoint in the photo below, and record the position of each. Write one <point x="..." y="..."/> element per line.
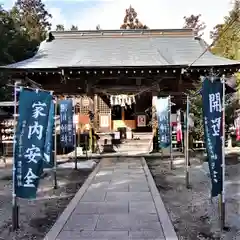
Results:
<point x="222" y="195"/>
<point x="170" y="128"/>
<point x="55" y="145"/>
<point x="75" y="135"/>
<point x="86" y="144"/>
<point x="187" y="145"/>
<point x="15" y="207"/>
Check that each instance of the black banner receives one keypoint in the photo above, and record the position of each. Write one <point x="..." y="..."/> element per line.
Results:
<point x="212" y="118"/>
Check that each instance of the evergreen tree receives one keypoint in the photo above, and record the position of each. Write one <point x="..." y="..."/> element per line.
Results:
<point x="74" y="28"/>
<point x="226" y="39"/>
<point x="131" y="21"/>
<point x="194" y="22"/>
<point x="21" y="30"/>
<point x="33" y="18"/>
<point x="12" y="38"/>
<point x="227" y="35"/>
<point x="7" y="32"/>
<point x="196" y="109"/>
<point x="60" y="27"/>
<point x="98" y="27"/>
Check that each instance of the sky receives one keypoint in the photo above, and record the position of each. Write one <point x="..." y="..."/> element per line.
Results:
<point x="109" y="14"/>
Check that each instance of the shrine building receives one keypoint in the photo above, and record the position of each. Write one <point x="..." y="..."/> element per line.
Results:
<point x="117" y="73"/>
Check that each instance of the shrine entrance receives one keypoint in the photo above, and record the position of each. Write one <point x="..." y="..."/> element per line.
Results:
<point x="135" y="115"/>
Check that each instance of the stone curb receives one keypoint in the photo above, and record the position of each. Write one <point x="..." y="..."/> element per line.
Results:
<point x="59" y="224"/>
<point x="167" y="226"/>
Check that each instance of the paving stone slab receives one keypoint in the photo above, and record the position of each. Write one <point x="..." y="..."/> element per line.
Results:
<point x="118" y="187"/>
<point x="137" y="178"/>
<point x="100" y="179"/>
<point x="94" y="196"/>
<point x="152" y="234"/>
<point x="81" y="222"/>
<point x="93" y="235"/>
<point x="102" y="208"/>
<point x="128" y="222"/>
<point x="109" y="235"/>
<point x="104" y="172"/>
<point x="128" y="171"/>
<point x="138" y="187"/>
<point x="86" y="208"/>
<point x="108" y="168"/>
<point x="142" y="208"/>
<point x="128" y="196"/>
<point x="98" y="187"/>
<point x="120" y="166"/>
<point x="120" y="178"/>
<point x="138" y="181"/>
<point x="129" y="178"/>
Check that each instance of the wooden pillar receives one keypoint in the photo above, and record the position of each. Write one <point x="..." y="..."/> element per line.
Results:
<point x="180" y="83"/>
<point x="95" y="122"/>
<point x="95" y="109"/>
<point x="154" y="125"/>
<point x="123" y="113"/>
<point x="180" y="101"/>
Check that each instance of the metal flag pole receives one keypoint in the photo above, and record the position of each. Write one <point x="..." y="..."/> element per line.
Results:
<point x="182" y="137"/>
<point x="75" y="135"/>
<point x="222" y="195"/>
<point x="15" y="208"/>
<point x="170" y="133"/>
<point x="55" y="145"/>
<point x="187" y="145"/>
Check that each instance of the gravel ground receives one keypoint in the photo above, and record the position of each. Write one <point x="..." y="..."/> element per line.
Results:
<point x="38" y="216"/>
<point x="192" y="212"/>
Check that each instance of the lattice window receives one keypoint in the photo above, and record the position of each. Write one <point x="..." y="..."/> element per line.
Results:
<point x="103" y="106"/>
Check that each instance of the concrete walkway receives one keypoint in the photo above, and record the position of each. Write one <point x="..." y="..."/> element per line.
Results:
<point x="118" y="201"/>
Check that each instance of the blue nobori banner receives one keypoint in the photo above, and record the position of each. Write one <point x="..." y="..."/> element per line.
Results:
<point x="66" y="123"/>
<point x="163" y="116"/>
<point x="30" y="140"/>
<point x="212" y="118"/>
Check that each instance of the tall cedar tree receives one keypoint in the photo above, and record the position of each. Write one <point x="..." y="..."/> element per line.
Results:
<point x="8" y="43"/>
<point x="21" y="28"/>
<point x="8" y="34"/>
<point x="74" y="28"/>
<point x="60" y="27"/>
<point x="226" y="39"/>
<point x="12" y="38"/>
<point x="227" y="35"/>
<point x="33" y="18"/>
<point x="131" y="21"/>
<point x="194" y="22"/>
<point x="196" y="109"/>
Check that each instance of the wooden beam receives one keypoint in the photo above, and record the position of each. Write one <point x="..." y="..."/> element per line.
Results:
<point x="180" y="83"/>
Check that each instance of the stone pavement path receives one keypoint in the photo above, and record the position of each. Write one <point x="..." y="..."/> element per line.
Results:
<point x="119" y="204"/>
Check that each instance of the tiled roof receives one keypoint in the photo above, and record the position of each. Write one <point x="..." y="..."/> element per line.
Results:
<point x="117" y="48"/>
